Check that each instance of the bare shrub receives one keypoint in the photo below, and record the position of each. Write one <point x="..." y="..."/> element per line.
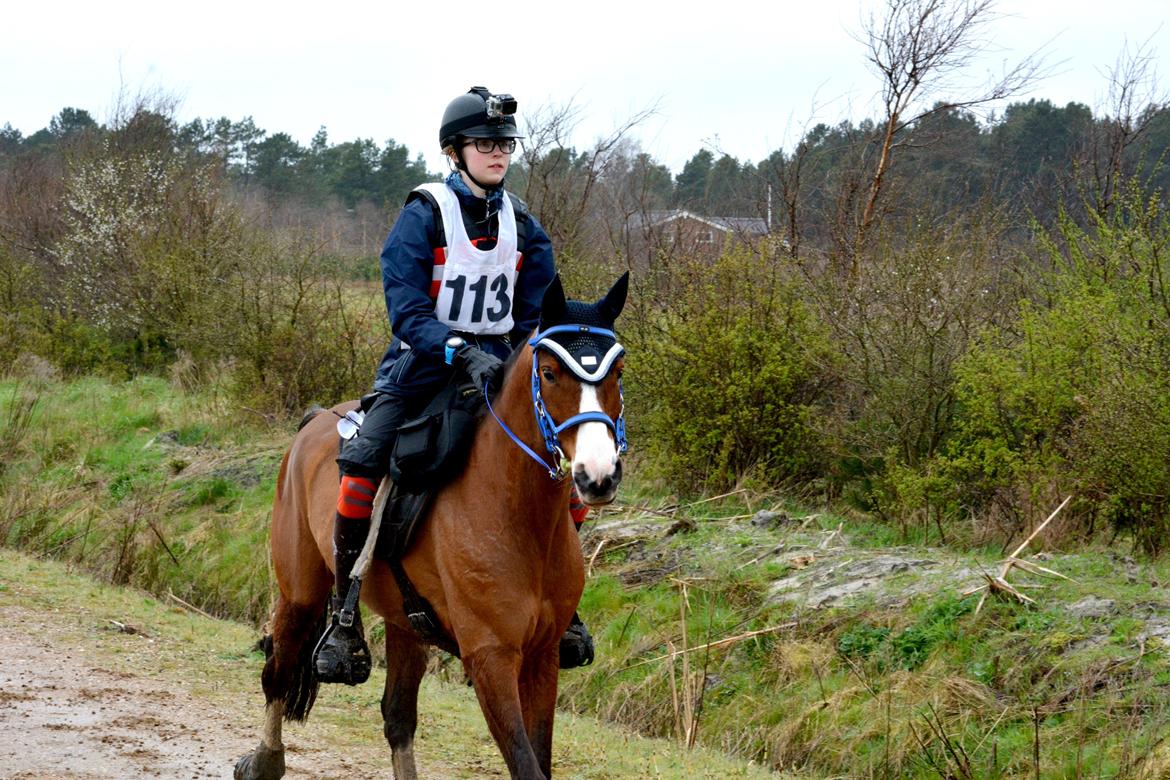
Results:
<point x="901" y="325"/>
<point x="919" y="50"/>
<point x="565" y="188"/>
<point x="296" y="334"/>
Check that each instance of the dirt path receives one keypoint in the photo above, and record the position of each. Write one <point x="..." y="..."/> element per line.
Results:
<point x="63" y="715"/>
<point x="104" y="682"/>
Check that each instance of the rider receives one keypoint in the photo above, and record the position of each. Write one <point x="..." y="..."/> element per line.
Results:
<point x="464" y="270"/>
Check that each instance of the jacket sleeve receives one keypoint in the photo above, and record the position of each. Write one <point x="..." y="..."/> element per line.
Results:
<point x="536" y="273"/>
<point x="407" y="265"/>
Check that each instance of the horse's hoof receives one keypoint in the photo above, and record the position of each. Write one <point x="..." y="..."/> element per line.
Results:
<point x="263" y="763"/>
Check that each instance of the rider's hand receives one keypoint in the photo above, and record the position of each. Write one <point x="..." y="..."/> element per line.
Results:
<point x="480" y="367"/>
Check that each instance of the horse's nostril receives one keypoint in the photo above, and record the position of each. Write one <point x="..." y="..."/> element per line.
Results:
<point x="603" y="486"/>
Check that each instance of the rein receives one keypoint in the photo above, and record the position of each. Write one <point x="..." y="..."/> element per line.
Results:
<point x="549" y="430"/>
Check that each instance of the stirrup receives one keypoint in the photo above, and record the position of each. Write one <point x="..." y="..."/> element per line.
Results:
<point x="576" y="647"/>
<point x="335" y="659"/>
<point x="340" y="640"/>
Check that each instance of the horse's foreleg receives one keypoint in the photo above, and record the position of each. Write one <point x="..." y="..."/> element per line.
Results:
<point x="406" y="662"/>
<point x="538" y="697"/>
<point x="495" y="672"/>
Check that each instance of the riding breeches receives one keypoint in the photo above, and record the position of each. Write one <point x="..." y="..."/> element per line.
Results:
<point x="368" y="454"/>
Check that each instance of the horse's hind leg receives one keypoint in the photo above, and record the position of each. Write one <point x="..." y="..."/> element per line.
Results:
<point x="406" y="662"/>
<point x="290" y="684"/>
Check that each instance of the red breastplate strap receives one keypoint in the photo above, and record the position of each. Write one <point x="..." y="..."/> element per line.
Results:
<point x="577" y="508"/>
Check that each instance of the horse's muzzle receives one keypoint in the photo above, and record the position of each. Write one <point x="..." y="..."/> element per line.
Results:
<point x="598" y="490"/>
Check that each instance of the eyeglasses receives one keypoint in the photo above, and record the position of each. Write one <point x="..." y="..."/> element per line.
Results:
<point x="486" y="145"/>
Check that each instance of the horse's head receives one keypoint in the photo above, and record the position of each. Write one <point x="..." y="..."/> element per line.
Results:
<point x="577" y="370"/>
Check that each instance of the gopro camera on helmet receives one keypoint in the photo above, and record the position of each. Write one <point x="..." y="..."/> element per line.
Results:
<point x="500" y="106"/>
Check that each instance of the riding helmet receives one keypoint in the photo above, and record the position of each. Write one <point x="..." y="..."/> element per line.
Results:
<point x="469" y="116"/>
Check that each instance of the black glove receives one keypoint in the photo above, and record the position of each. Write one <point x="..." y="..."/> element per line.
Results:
<point x="481" y="368"/>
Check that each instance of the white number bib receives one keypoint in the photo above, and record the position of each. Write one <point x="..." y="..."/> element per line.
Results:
<point x="476" y="287"/>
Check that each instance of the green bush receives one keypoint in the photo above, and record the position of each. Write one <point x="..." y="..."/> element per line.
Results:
<point x="297" y="337"/>
<point x="727" y="378"/>
<point x="20" y="314"/>
<point x="1075" y="395"/>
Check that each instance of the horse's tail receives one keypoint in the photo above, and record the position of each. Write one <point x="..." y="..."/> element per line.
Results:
<point x="303" y="691"/>
<point x="302" y="685"/>
<point x="310" y="413"/>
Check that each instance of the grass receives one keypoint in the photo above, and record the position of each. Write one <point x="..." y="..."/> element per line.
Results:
<point x="139" y="484"/>
<point x="916" y="686"/>
<point x="147" y="486"/>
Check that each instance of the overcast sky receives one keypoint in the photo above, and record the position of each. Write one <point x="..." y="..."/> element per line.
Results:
<point x="736" y="76"/>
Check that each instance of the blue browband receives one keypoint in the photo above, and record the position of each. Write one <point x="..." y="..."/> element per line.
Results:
<point x="549" y="430"/>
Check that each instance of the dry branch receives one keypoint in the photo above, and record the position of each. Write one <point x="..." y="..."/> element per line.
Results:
<point x="718" y="643"/>
<point x="716" y="498"/>
<point x="835" y="532"/>
<point x="1000" y="585"/>
<point x="189" y="606"/>
<point x="592" y="558"/>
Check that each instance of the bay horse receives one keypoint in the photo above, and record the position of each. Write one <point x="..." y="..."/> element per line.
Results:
<point x="496" y="555"/>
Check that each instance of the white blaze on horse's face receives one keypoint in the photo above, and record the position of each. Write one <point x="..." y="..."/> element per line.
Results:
<point x="590" y="446"/>
<point x="597" y="470"/>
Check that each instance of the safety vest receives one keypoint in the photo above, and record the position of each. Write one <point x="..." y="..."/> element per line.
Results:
<point x="473" y="289"/>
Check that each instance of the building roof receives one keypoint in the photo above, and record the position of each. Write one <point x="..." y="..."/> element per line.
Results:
<point x="742" y="226"/>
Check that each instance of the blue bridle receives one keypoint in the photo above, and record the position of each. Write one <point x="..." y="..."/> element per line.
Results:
<point x="550" y="431"/>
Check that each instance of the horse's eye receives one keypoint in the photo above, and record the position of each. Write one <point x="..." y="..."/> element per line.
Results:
<point x="547" y="373"/>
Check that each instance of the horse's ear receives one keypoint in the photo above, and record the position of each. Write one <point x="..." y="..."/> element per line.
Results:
<point x="615" y="300"/>
<point x="552" y="308"/>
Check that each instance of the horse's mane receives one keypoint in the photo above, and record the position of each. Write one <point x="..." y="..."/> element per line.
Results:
<point x="515" y="354"/>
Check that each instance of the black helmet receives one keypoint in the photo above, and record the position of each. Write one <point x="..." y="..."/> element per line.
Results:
<point x="479" y="114"/>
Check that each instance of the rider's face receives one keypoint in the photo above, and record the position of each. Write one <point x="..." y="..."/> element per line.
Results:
<point x="489" y="168"/>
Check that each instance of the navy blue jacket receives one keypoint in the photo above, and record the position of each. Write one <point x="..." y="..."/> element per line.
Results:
<point x="407" y="265"/>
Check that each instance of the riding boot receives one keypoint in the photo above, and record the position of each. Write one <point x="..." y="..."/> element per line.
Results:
<point x="342" y="655"/>
<point x="576" y="645"/>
